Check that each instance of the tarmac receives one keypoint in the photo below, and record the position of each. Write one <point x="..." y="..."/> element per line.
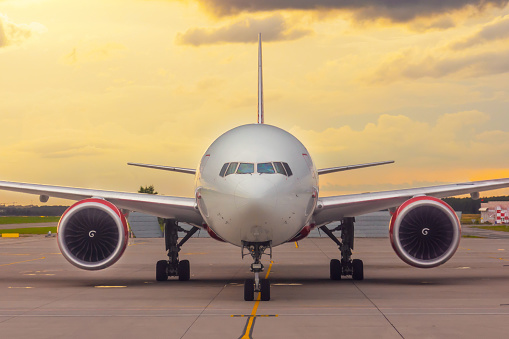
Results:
<point x="43" y="296"/>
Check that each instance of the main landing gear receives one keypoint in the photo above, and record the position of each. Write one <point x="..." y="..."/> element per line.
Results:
<point x="256" y="249"/>
<point x="346" y="266"/>
<point x="173" y="267"/>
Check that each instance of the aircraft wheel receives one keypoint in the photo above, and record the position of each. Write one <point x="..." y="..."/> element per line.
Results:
<point x="249" y="290"/>
<point x="358" y="269"/>
<point x="161" y="270"/>
<point x="184" y="270"/>
<point x="335" y="269"/>
<point x="265" y="289"/>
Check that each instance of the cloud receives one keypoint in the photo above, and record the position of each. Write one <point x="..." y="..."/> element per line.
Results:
<point x="409" y="65"/>
<point x="394" y="10"/>
<point x="68" y="144"/>
<point x="273" y="28"/>
<point x="439" y="23"/>
<point x="90" y="52"/>
<point x="399" y="136"/>
<point x="15" y="34"/>
<point x="491" y="32"/>
<point x="451" y="148"/>
<point x="371" y="187"/>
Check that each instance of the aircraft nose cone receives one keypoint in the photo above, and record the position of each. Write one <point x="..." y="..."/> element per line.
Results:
<point x="256" y="193"/>
<point x="255" y="204"/>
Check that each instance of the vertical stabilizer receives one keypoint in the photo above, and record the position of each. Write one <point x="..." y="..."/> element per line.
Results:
<point x="260" y="80"/>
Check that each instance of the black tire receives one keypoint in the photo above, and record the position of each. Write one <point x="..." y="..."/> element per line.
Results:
<point x="358" y="269"/>
<point x="184" y="270"/>
<point x="249" y="290"/>
<point x="265" y="289"/>
<point x="161" y="270"/>
<point x="335" y="269"/>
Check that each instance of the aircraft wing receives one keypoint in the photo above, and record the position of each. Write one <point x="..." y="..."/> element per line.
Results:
<point x="180" y="208"/>
<point x="352" y="167"/>
<point x="337" y="207"/>
<point x="165" y="168"/>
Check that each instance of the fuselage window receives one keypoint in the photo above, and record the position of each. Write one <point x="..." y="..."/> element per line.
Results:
<point x="279" y="168"/>
<point x="245" y="168"/>
<point x="265" y="167"/>
<point x="287" y="168"/>
<point x="232" y="168"/>
<point x="223" y="169"/>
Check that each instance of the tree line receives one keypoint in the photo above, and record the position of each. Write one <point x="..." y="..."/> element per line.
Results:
<point x="44" y="211"/>
<point x="469" y="205"/>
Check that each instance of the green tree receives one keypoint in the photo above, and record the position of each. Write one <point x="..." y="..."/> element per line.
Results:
<point x="147" y="189"/>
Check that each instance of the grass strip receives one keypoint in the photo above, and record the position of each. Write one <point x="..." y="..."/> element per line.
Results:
<point x="501" y="228"/>
<point x="31" y="230"/>
<point x="467" y="219"/>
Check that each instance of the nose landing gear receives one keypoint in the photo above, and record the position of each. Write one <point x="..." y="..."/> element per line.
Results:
<point x="262" y="286"/>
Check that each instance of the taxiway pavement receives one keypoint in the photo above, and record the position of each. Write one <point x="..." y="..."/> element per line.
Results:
<point x="43" y="296"/>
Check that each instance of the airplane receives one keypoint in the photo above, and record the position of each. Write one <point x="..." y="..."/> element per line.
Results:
<point x="256" y="187"/>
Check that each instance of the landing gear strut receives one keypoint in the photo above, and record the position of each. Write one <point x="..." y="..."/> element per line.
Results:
<point x="173" y="267"/>
<point x="256" y="249"/>
<point x="346" y="266"/>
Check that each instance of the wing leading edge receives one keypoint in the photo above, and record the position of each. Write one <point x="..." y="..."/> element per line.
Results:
<point x="165" y="168"/>
<point x="352" y="167"/>
<point x="337" y="207"/>
<point x="180" y="208"/>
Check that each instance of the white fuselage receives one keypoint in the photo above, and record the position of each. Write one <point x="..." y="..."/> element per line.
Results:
<point x="252" y="204"/>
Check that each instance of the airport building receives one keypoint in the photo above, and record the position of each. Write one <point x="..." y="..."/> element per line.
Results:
<point x="371" y="225"/>
<point x="495" y="212"/>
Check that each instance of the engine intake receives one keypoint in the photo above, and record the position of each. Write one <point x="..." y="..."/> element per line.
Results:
<point x="92" y="234"/>
<point x="425" y="232"/>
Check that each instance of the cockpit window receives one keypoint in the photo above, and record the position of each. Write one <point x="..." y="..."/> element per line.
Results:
<point x="265" y="167"/>
<point x="223" y="169"/>
<point x="232" y="168"/>
<point x="279" y="168"/>
<point x="248" y="168"/>
<point x="245" y="168"/>
<point x="287" y="168"/>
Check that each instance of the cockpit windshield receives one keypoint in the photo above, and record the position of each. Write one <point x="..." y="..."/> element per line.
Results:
<point x="265" y="167"/>
<point x="245" y="168"/>
<point x="231" y="168"/>
<point x="279" y="168"/>
<point x="261" y="168"/>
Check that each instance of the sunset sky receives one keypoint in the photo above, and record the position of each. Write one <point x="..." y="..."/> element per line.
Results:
<point x="86" y="86"/>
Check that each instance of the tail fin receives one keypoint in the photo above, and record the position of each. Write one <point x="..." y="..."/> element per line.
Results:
<point x="260" y="80"/>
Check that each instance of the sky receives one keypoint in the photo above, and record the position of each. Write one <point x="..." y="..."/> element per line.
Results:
<point x="87" y="86"/>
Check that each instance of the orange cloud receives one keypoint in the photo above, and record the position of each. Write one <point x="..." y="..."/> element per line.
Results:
<point x="273" y="28"/>
<point x="498" y="30"/>
<point x="15" y="34"/>
<point x="394" y="10"/>
<point x="410" y="65"/>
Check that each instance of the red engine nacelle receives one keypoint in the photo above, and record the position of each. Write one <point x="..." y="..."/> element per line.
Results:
<point x="425" y="232"/>
<point x="92" y="234"/>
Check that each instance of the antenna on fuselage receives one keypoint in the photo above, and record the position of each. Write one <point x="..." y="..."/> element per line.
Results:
<point x="260" y="80"/>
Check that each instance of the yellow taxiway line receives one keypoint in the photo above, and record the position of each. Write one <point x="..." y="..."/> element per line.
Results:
<point x="255" y="309"/>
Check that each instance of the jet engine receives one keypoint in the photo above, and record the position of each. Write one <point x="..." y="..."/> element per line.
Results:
<point x="425" y="232"/>
<point x="92" y="234"/>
